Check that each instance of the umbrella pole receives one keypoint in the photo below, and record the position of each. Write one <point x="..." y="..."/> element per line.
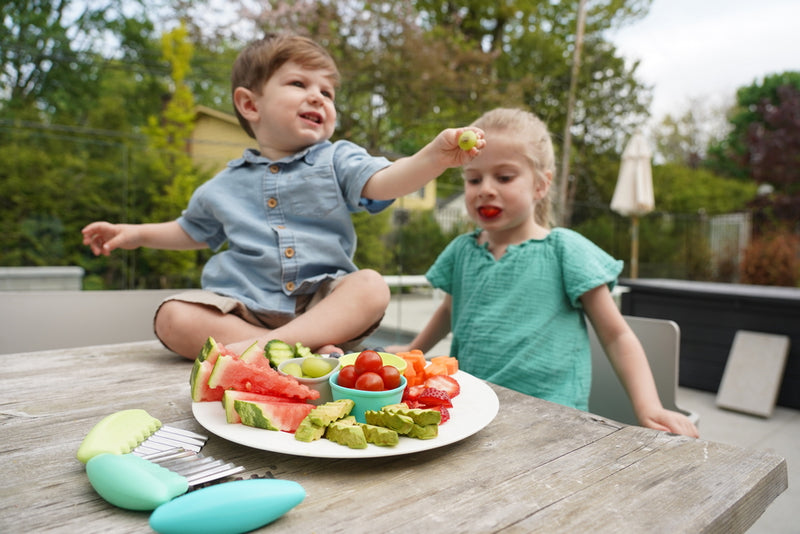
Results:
<point x="634" y="247"/>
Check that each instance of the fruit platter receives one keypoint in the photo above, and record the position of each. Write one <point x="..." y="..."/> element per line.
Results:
<point x="271" y="411"/>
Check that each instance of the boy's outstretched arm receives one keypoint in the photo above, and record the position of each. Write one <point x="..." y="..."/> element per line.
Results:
<point x="103" y="237"/>
<point x="627" y="356"/>
<point x="411" y="173"/>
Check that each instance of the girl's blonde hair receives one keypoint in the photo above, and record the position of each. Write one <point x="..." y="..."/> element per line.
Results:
<point x="540" y="152"/>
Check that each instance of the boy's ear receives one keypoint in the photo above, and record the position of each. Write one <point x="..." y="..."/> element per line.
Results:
<point x="245" y="102"/>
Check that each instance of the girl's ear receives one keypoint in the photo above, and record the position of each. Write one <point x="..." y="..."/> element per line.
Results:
<point x="245" y="102"/>
<point x="542" y="186"/>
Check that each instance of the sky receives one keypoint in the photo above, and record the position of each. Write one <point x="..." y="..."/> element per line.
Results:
<point x="707" y="49"/>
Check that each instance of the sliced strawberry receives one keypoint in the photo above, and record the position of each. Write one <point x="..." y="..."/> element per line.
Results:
<point x="445" y="413"/>
<point x="412" y="393"/>
<point x="434" y="397"/>
<point x="448" y="384"/>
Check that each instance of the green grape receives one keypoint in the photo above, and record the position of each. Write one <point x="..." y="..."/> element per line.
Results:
<point x="315" y="367"/>
<point x="467" y="140"/>
<point x="293" y="369"/>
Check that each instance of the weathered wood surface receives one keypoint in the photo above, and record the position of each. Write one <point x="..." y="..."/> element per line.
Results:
<point x="538" y="467"/>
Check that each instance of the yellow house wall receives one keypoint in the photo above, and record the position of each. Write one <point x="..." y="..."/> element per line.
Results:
<point x="216" y="142"/>
<point x="424" y="199"/>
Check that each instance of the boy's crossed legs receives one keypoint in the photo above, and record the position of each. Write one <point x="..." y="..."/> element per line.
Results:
<point x="353" y="309"/>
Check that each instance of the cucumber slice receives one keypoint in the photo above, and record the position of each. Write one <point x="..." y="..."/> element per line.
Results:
<point x="278" y="352"/>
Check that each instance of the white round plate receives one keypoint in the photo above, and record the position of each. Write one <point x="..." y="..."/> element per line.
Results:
<point x="474" y="408"/>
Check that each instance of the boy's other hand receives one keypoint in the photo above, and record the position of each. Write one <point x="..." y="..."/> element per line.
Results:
<point x="103" y="237"/>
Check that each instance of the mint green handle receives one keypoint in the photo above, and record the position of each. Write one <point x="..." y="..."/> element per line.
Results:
<point x="228" y="508"/>
<point x="118" y="433"/>
<point x="131" y="482"/>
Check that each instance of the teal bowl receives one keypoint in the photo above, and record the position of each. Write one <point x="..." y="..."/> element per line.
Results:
<point x="366" y="400"/>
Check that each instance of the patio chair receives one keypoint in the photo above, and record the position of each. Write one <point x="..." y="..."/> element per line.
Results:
<point x="661" y="341"/>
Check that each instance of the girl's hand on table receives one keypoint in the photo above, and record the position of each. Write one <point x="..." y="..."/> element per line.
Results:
<point x="670" y="421"/>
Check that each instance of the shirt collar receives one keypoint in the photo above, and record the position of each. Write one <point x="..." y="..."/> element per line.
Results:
<point x="308" y="156"/>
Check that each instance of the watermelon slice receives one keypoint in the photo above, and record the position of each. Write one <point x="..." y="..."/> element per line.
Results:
<point x="231" y="396"/>
<point x="284" y="416"/>
<point x="255" y="356"/>
<point x="231" y="373"/>
<point x="211" y="349"/>
<point x="198" y="381"/>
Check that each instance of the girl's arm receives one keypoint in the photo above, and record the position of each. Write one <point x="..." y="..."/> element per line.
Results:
<point x="627" y="356"/>
<point x="103" y="237"/>
<point x="411" y="173"/>
<point x="438" y="326"/>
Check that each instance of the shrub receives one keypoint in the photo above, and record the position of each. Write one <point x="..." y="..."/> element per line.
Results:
<point x="772" y="260"/>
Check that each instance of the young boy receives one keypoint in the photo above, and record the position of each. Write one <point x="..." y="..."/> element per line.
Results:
<point x="284" y="211"/>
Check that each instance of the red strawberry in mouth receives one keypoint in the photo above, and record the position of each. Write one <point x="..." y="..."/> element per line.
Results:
<point x="488" y="212"/>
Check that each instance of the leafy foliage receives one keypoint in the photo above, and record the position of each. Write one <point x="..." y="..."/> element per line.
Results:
<point x="84" y="112"/>
<point x="764" y="146"/>
<point x="772" y="260"/>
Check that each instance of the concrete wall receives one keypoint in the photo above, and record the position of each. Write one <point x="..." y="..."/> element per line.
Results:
<point x="41" y="278"/>
<point x="42" y="320"/>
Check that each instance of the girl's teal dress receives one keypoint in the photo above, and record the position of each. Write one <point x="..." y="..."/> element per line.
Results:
<point x="518" y="321"/>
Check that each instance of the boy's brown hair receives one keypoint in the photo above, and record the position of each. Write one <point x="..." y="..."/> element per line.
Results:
<point x="260" y="59"/>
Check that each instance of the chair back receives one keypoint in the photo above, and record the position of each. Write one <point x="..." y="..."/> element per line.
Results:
<point x="660" y="339"/>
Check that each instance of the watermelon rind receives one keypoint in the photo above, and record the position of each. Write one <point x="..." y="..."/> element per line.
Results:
<point x="231" y="396"/>
<point x="198" y="381"/>
<point x="285" y="416"/>
<point x="210" y="351"/>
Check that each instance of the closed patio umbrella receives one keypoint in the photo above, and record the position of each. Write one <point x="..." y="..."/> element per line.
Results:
<point x="633" y="195"/>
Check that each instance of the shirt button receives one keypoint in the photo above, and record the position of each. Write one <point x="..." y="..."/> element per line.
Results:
<point x="290" y="286"/>
<point x="289" y="252"/>
<point x="272" y="202"/>
<point x="274" y="169"/>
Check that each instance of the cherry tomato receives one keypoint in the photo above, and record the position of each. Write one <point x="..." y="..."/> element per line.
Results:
<point x="368" y="361"/>
<point x="369" y="381"/>
<point x="390" y="376"/>
<point x="347" y="376"/>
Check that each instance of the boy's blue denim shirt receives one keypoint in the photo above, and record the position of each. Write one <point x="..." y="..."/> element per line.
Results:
<point x="287" y="222"/>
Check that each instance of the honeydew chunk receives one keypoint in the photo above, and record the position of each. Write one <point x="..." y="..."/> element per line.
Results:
<point x="420" y="416"/>
<point x="327" y="413"/>
<point x="346" y="434"/>
<point x="308" y="431"/>
<point x="399" y="423"/>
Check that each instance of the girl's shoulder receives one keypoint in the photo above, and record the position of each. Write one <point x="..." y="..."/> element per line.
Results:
<point x="567" y="238"/>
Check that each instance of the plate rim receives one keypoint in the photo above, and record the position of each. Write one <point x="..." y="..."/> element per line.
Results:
<point x="211" y="416"/>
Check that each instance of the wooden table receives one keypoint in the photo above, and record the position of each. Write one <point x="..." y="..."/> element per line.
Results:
<point x="538" y="467"/>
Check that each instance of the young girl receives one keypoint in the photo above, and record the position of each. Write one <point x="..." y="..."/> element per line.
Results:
<point x="517" y="290"/>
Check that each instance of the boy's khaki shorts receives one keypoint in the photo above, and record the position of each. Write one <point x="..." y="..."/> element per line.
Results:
<point x="270" y="320"/>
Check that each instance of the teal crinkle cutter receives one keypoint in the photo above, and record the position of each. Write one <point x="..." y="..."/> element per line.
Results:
<point x="134" y="462"/>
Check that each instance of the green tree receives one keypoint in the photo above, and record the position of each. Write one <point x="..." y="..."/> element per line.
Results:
<point x="685" y="138"/>
<point x="171" y="176"/>
<point x="371" y="250"/>
<point x="417" y="242"/>
<point x="764" y="146"/>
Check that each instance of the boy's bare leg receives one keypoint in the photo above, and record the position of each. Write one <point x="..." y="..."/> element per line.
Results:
<point x="184" y="327"/>
<point x="358" y="301"/>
